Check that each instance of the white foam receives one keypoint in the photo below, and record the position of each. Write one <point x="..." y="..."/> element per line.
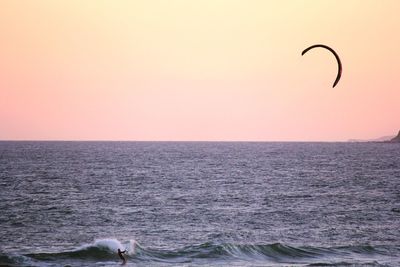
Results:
<point x="130" y="247"/>
<point x="112" y="244"/>
<point x="109" y="243"/>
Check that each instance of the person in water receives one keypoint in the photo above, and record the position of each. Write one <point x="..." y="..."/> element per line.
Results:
<point x="120" y="254"/>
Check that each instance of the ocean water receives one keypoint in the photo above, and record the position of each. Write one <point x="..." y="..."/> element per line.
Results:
<point x="199" y="204"/>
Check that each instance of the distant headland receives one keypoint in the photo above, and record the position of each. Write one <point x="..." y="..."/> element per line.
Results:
<point x="384" y="139"/>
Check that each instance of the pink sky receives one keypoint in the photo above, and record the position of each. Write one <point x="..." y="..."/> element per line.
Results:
<point x="198" y="70"/>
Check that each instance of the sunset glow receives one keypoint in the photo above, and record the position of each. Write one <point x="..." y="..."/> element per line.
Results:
<point x="198" y="70"/>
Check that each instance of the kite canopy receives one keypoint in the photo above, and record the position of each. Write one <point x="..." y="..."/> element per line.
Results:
<point x="339" y="74"/>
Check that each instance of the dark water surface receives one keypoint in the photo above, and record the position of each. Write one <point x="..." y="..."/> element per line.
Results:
<point x="199" y="204"/>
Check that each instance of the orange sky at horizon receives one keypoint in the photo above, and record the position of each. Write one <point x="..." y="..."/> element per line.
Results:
<point x="211" y="70"/>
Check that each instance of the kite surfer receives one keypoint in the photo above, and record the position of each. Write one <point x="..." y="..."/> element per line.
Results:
<point x="120" y="254"/>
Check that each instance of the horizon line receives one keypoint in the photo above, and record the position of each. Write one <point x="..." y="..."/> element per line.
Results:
<point x="180" y="141"/>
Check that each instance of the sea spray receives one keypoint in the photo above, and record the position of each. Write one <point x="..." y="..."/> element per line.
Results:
<point x="100" y="249"/>
<point x="111" y="244"/>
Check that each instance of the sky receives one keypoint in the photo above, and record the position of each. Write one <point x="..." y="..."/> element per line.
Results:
<point x="198" y="70"/>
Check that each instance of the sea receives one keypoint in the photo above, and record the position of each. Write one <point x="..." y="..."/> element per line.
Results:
<point x="199" y="203"/>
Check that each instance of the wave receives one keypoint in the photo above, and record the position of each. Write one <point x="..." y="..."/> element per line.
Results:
<point x="104" y="250"/>
<point x="101" y="249"/>
<point x="270" y="253"/>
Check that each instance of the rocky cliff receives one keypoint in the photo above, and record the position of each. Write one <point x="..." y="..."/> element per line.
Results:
<point x="396" y="139"/>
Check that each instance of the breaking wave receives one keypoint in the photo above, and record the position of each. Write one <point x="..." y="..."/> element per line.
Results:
<point x="104" y="250"/>
<point x="101" y="249"/>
